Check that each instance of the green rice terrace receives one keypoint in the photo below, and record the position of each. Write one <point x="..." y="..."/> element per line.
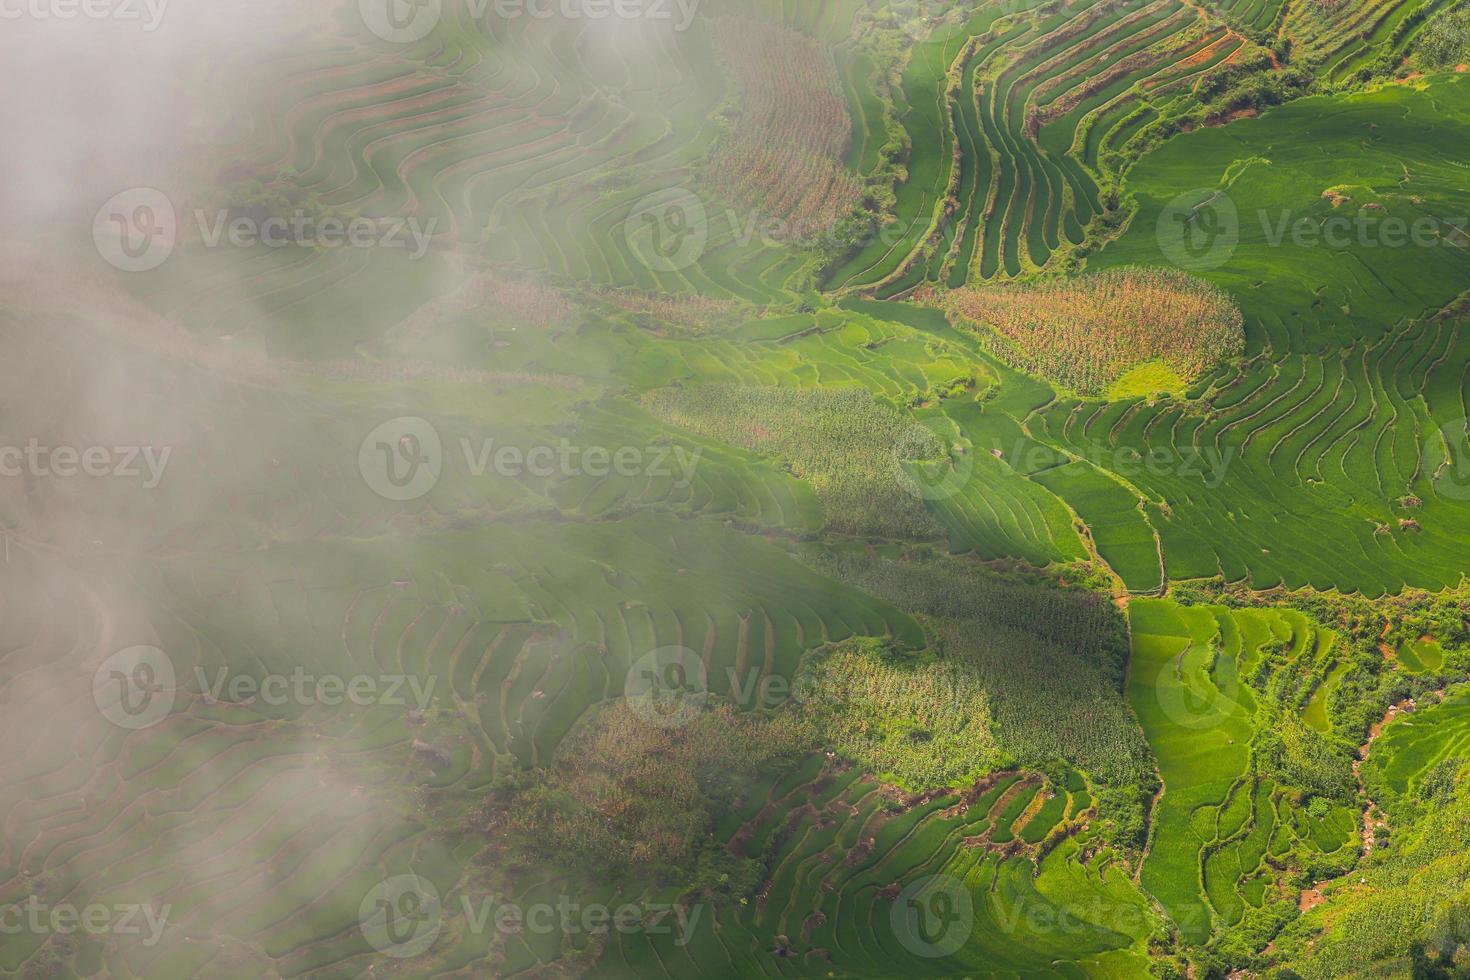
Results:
<point x="736" y="488"/>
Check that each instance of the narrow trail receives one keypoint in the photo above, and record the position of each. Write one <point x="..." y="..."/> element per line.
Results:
<point x="1373" y="816"/>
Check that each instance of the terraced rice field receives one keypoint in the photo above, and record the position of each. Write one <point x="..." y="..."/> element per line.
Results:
<point x="1223" y="830"/>
<point x="599" y="404"/>
<point x="1021" y="103"/>
<point x="842" y="856"/>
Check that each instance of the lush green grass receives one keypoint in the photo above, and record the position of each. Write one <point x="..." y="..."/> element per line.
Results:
<point x="1203" y="680"/>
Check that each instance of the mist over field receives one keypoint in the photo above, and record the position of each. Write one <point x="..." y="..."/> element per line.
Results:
<point x="638" y="488"/>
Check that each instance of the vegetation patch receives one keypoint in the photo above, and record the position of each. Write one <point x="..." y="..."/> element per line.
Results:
<point x="1086" y="334"/>
<point x="1147" y="380"/>
<point x="782" y="153"/>
<point x="846" y="444"/>
<point x="920" y="722"/>
<point x="627" y="796"/>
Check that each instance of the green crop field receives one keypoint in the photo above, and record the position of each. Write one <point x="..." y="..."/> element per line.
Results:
<point x="735" y="488"/>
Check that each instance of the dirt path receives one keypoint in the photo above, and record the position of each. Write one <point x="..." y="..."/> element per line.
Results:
<point x="1373" y="817"/>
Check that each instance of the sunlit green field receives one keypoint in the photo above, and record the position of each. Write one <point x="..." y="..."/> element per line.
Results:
<point x="510" y="560"/>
